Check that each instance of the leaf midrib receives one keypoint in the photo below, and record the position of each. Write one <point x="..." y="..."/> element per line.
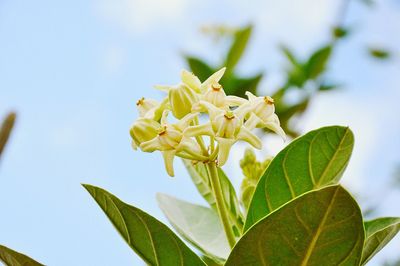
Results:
<point x="318" y="232"/>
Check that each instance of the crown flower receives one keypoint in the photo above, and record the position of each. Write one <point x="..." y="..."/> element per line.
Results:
<point x="229" y="119"/>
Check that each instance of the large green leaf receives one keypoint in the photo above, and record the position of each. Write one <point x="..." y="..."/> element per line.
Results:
<point x="198" y="173"/>
<point x="378" y="233"/>
<point x="240" y="40"/>
<point x="153" y="241"/>
<point x="13" y="258"/>
<point x="5" y="130"/>
<point x="322" y="227"/>
<point x="312" y="161"/>
<point x="197" y="224"/>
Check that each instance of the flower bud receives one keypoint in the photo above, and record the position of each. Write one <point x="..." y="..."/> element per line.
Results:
<point x="142" y="130"/>
<point x="181" y="99"/>
<point x="216" y="95"/>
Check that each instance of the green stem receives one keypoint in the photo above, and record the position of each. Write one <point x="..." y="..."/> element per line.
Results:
<point x="219" y="199"/>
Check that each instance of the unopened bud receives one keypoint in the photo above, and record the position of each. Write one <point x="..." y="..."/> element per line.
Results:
<point x="181" y="99"/>
<point x="142" y="130"/>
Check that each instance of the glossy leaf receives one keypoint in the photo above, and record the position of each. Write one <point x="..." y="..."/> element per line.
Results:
<point x="322" y="227"/>
<point x="312" y="161"/>
<point x="198" y="173"/>
<point x="241" y="38"/>
<point x="13" y="258"/>
<point x="197" y="224"/>
<point x="153" y="241"/>
<point x="378" y="233"/>
<point x="5" y="130"/>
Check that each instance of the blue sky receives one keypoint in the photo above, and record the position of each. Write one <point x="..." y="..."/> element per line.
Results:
<point x="74" y="69"/>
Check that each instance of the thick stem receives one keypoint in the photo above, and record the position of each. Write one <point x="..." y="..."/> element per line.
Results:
<point x="219" y="198"/>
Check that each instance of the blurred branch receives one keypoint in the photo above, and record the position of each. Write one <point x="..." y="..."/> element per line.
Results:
<point x="5" y="130"/>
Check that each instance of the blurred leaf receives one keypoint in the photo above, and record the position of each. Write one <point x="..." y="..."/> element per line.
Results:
<point x="289" y="55"/>
<point x="153" y="241"/>
<point x="198" y="173"/>
<point x="240" y="41"/>
<point x="379" y="53"/>
<point x="378" y="233"/>
<point x="369" y="3"/>
<point x="327" y="87"/>
<point x="252" y="171"/>
<point x="238" y="86"/>
<point x="312" y="161"/>
<point x="201" y="69"/>
<point x="322" y="227"/>
<point x="339" y="32"/>
<point x="13" y="258"/>
<point x="316" y="64"/>
<point x="197" y="224"/>
<point x="5" y="130"/>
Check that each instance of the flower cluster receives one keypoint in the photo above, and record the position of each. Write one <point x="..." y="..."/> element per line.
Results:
<point x="230" y="119"/>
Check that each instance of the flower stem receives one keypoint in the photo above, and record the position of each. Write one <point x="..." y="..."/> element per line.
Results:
<point x="219" y="198"/>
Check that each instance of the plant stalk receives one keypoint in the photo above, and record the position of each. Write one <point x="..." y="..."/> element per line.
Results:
<point x="219" y="198"/>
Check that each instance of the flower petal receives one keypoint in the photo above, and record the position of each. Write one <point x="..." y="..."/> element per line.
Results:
<point x="248" y="136"/>
<point x="214" y="78"/>
<point x="191" y="80"/>
<point x="151" y="145"/>
<point x="232" y="100"/>
<point x="224" y="146"/>
<point x="169" y="161"/>
<point x="200" y="130"/>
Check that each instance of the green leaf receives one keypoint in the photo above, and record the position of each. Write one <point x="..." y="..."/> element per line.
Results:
<point x="289" y="55"/>
<point x="196" y="224"/>
<point x="378" y="233"/>
<point x="198" y="173"/>
<point x="312" y="161"/>
<point x="339" y="32"/>
<point x="234" y="85"/>
<point x="13" y="258"/>
<point x="322" y="227"/>
<point x="153" y="241"/>
<point x="316" y="64"/>
<point x="5" y="130"/>
<point x="238" y="47"/>
<point x="201" y="69"/>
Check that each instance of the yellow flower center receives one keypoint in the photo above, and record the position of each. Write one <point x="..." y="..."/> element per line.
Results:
<point x="229" y="115"/>
<point x="268" y="100"/>
<point x="140" y="101"/>
<point x="216" y="86"/>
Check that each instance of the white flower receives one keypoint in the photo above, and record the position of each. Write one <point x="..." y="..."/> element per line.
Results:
<point x="263" y="114"/>
<point x="226" y="127"/>
<point x="170" y="141"/>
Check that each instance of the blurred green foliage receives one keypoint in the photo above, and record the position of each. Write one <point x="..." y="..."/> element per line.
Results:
<point x="303" y="75"/>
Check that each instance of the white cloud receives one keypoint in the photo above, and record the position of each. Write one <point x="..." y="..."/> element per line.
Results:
<point x="141" y="15"/>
